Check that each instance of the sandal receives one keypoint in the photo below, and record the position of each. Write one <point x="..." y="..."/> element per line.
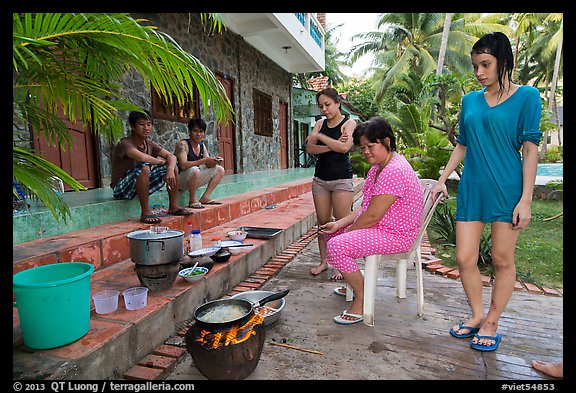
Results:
<point x="150" y="219"/>
<point x="211" y="202"/>
<point x="349" y="320"/>
<point x="471" y="331"/>
<point x="181" y="212"/>
<point x="483" y="347"/>
<point x="340" y="291"/>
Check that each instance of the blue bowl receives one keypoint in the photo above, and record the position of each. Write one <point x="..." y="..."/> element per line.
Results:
<point x="185" y="273"/>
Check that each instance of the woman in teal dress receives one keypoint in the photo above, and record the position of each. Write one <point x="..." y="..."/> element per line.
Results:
<point x="498" y="141"/>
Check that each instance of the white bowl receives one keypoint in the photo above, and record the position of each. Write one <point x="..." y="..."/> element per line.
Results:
<point x="235" y="250"/>
<point x="184" y="273"/>
<point x="237" y="235"/>
<point x="204" y="252"/>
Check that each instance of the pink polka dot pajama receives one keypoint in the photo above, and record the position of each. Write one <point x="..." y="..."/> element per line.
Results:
<point x="396" y="230"/>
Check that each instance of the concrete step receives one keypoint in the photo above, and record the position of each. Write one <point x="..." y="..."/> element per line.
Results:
<point x="119" y="340"/>
<point x="97" y="207"/>
<point x="107" y="244"/>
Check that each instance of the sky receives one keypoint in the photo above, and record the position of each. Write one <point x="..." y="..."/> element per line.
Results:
<point x="353" y="23"/>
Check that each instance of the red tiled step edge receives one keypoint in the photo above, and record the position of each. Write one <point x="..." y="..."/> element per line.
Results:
<point x="107" y="244"/>
<point x="437" y="267"/>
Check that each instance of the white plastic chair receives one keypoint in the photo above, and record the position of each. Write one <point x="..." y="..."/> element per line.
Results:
<point x="371" y="262"/>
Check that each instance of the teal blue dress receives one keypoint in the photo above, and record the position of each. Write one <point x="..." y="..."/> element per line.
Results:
<point x="491" y="183"/>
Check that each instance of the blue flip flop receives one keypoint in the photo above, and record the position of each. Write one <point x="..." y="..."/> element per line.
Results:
<point x="487" y="348"/>
<point x="471" y="333"/>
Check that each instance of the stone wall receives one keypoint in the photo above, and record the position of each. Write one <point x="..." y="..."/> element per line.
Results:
<point x="247" y="68"/>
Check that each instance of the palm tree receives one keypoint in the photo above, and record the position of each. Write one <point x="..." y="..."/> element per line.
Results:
<point x="411" y="41"/>
<point x="444" y="42"/>
<point x="552" y="97"/>
<point x="75" y="62"/>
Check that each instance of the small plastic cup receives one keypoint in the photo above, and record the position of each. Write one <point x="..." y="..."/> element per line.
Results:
<point x="135" y="298"/>
<point x="106" y="301"/>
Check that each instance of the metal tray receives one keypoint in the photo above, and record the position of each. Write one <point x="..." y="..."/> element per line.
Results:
<point x="260" y="232"/>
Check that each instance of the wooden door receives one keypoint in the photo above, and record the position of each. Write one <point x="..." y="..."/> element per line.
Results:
<point x="225" y="133"/>
<point x="283" y="135"/>
<point x="79" y="160"/>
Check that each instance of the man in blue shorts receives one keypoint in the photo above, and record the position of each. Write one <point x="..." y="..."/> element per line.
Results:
<point x="141" y="167"/>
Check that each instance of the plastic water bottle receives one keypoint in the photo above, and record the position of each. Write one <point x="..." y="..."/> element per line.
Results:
<point x="195" y="240"/>
<point x="188" y="239"/>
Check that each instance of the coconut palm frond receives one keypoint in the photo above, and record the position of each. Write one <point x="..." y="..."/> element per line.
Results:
<point x="37" y="175"/>
<point x="73" y="64"/>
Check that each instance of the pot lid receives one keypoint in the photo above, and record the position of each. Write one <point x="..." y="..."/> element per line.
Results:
<point x="147" y="235"/>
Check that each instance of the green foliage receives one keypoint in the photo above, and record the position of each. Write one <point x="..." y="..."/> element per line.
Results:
<point x="554" y="154"/>
<point x="443" y="224"/>
<point x="485" y="254"/>
<point x="75" y="62"/>
<point x="361" y="95"/>
<point x="429" y="160"/>
<point x="359" y="165"/>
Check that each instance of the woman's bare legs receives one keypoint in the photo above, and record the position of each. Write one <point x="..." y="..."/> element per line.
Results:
<point x="468" y="234"/>
<point x="323" y="206"/>
<point x="335" y="205"/>
<point x="356" y="281"/>
<point x="503" y="244"/>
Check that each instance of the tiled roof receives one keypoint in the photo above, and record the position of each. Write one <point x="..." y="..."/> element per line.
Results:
<point x="318" y="83"/>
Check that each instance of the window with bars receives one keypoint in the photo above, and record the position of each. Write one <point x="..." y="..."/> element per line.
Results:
<point x="161" y="109"/>
<point x="262" y="113"/>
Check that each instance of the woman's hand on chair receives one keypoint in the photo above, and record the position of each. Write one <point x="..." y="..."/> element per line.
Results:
<point x="439" y="188"/>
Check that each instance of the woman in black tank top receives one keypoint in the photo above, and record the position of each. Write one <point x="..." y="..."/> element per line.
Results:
<point x="332" y="187"/>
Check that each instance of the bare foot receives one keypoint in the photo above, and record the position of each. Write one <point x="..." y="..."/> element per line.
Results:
<point x="337" y="276"/>
<point x="318" y="269"/>
<point x="553" y="369"/>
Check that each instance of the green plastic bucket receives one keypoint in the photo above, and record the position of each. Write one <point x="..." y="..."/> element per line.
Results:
<point x="53" y="303"/>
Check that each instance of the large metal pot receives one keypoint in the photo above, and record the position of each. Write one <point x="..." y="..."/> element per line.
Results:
<point x="147" y="248"/>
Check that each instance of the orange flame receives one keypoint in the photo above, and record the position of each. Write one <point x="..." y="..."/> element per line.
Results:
<point x="236" y="335"/>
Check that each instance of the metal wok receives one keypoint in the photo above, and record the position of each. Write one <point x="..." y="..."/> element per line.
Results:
<point x="225" y="313"/>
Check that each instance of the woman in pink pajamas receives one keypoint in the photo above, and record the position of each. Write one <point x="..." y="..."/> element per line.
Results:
<point x="388" y="220"/>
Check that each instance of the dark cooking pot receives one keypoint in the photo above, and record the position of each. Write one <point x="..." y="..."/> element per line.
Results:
<point x="147" y="248"/>
<point x="225" y="313"/>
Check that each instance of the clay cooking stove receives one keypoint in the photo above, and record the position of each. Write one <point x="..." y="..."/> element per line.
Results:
<point x="228" y="353"/>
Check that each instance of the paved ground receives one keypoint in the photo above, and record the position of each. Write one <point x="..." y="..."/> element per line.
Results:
<point x="401" y="346"/>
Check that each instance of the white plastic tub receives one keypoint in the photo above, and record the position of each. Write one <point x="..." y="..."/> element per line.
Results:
<point x="135" y="298"/>
<point x="106" y="301"/>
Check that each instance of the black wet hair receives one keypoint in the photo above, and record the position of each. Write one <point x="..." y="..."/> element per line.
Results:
<point x="375" y="130"/>
<point x="197" y="123"/>
<point x="134" y="116"/>
<point x="498" y="45"/>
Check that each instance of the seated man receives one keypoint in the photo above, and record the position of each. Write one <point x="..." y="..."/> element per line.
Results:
<point x="191" y="154"/>
<point x="141" y="167"/>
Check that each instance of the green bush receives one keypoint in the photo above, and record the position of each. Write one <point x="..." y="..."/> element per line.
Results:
<point x="554" y="154"/>
<point x="443" y="224"/>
